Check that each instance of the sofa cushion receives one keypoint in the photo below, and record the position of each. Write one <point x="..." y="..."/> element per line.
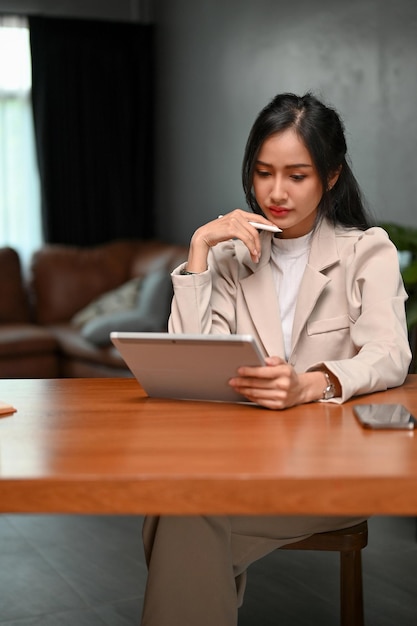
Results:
<point x="25" y="339"/>
<point x="149" y="315"/>
<point x="71" y="345"/>
<point x="64" y="279"/>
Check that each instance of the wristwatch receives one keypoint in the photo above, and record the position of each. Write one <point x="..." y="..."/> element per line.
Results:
<point x="329" y="390"/>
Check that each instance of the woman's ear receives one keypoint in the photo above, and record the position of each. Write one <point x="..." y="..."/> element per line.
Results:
<point x="333" y="178"/>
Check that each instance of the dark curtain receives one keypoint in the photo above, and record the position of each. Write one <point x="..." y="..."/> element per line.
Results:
<point x="92" y="97"/>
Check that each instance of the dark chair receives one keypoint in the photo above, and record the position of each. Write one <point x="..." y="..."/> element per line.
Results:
<point x="349" y="542"/>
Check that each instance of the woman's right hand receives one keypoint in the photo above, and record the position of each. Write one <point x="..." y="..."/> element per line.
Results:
<point x="233" y="225"/>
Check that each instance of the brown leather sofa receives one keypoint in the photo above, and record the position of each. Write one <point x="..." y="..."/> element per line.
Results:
<point x="26" y="349"/>
<point x="41" y="335"/>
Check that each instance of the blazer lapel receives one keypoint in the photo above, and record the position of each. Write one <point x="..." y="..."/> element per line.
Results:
<point x="262" y="303"/>
<point x="323" y="254"/>
<point x="259" y="292"/>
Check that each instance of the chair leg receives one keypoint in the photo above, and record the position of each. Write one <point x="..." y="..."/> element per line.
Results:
<point x="351" y="589"/>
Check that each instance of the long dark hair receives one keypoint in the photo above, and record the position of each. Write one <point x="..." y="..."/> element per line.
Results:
<point x="321" y="130"/>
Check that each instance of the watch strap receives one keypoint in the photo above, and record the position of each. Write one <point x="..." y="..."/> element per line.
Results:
<point x="185" y="272"/>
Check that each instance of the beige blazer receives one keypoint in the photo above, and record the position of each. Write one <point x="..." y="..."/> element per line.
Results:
<point x="350" y="311"/>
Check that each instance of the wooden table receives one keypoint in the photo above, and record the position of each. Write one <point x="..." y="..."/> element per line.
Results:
<point x="100" y="446"/>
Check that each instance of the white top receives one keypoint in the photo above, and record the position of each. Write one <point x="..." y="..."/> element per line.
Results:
<point x="288" y="261"/>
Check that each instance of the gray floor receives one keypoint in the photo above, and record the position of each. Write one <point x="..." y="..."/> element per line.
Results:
<point x="90" y="571"/>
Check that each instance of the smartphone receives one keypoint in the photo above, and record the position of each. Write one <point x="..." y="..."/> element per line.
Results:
<point x="379" y="416"/>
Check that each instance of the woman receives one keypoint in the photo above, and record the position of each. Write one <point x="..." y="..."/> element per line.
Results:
<point x="325" y="299"/>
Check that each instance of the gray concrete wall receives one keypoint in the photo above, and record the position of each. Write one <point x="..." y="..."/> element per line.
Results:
<point x="220" y="61"/>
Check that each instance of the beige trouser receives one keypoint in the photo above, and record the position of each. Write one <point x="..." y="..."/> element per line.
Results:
<point x="197" y="565"/>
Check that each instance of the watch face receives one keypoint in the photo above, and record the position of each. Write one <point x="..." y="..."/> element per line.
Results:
<point x="329" y="392"/>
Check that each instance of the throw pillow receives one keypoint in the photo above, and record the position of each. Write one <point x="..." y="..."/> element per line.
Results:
<point x="119" y="299"/>
<point x="150" y="314"/>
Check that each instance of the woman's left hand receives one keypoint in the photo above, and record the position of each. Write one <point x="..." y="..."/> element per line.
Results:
<point x="277" y="385"/>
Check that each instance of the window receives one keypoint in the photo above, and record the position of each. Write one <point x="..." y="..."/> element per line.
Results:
<point x="20" y="212"/>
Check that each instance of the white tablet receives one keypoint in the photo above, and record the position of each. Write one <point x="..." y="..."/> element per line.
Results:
<point x="187" y="367"/>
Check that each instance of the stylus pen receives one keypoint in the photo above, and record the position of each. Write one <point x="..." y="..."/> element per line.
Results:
<point x="272" y="229"/>
<point x="259" y="226"/>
